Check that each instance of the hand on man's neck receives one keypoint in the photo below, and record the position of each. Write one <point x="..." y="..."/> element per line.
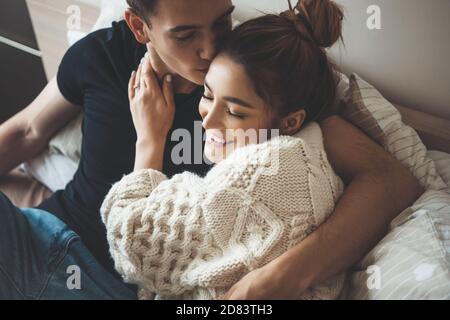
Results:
<point x="180" y="85"/>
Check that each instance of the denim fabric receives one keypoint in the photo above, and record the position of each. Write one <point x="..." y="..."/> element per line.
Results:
<point x="41" y="258"/>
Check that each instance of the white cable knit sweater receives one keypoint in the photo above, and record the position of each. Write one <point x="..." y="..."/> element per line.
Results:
<point x="194" y="238"/>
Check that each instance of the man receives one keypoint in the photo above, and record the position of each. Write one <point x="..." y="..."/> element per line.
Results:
<point x="181" y="36"/>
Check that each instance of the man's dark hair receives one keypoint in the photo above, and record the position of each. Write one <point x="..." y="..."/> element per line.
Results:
<point x="143" y="8"/>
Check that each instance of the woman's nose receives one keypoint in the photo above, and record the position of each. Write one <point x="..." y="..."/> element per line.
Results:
<point x="211" y="118"/>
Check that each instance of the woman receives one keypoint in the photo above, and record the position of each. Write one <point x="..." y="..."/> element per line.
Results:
<point x="192" y="237"/>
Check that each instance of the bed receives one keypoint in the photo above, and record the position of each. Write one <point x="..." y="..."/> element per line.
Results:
<point x="413" y="260"/>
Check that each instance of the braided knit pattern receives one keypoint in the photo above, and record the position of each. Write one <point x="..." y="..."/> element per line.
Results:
<point x="193" y="238"/>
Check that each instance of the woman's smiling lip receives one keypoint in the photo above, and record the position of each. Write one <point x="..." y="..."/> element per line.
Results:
<point x="219" y="145"/>
<point x="217" y="141"/>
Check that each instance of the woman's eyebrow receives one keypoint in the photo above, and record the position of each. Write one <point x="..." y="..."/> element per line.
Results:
<point x="238" y="101"/>
<point x="207" y="86"/>
<point x="232" y="99"/>
<point x="185" y="27"/>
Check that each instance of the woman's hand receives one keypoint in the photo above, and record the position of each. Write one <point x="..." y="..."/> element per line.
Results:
<point x="152" y="107"/>
<point x="153" y="111"/>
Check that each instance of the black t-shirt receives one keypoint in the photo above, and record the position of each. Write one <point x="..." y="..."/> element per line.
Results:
<point x="94" y="74"/>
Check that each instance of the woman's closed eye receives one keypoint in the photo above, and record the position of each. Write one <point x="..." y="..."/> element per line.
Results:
<point x="229" y="111"/>
<point x="235" y="114"/>
<point x="207" y="97"/>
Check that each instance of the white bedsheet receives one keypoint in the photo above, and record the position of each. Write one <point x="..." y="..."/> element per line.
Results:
<point x="52" y="170"/>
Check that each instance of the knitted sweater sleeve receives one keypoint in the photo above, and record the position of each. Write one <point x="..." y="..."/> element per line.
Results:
<point x="152" y="225"/>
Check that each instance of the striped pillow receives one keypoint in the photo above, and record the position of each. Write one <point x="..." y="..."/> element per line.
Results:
<point x="442" y="161"/>
<point x="413" y="261"/>
<point x="367" y="109"/>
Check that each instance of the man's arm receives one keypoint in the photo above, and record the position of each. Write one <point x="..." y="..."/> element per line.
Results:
<point x="378" y="189"/>
<point x="27" y="133"/>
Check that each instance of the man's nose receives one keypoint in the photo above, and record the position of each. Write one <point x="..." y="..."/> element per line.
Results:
<point x="208" y="49"/>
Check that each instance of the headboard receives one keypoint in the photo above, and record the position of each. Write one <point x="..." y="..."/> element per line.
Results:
<point x="434" y="131"/>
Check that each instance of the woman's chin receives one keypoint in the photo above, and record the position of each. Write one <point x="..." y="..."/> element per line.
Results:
<point x="214" y="156"/>
<point x="212" y="159"/>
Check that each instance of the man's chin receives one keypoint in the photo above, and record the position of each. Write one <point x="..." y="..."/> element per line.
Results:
<point x="189" y="83"/>
<point x="198" y="78"/>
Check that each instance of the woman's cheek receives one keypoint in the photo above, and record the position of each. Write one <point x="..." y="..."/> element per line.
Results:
<point x="202" y="109"/>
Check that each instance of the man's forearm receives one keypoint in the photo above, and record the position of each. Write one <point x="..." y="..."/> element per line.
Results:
<point x="28" y="132"/>
<point x="360" y="220"/>
<point x="16" y="146"/>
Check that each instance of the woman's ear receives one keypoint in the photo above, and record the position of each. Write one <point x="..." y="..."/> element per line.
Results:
<point x="137" y="26"/>
<point x="292" y="123"/>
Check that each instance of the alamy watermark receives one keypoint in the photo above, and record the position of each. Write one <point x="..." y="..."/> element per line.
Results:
<point x="74" y="279"/>
<point x="374" y="279"/>
<point x="74" y="18"/>
<point x="374" y="19"/>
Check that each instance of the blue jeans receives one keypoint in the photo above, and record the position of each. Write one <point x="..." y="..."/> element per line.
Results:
<point x="41" y="258"/>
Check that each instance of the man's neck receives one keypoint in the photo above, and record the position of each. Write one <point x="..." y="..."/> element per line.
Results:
<point x="180" y="85"/>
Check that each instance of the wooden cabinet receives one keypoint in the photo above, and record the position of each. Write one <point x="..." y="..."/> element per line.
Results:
<point x="50" y="21"/>
<point x="33" y="40"/>
<point x="22" y="74"/>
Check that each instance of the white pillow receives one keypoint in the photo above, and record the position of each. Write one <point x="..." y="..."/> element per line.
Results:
<point x="442" y="161"/>
<point x="67" y="141"/>
<point x="367" y="109"/>
<point x="54" y="171"/>
<point x="413" y="260"/>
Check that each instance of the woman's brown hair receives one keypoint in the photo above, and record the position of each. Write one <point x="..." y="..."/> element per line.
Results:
<point x="284" y="56"/>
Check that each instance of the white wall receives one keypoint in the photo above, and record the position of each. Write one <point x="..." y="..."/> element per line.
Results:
<point x="407" y="60"/>
<point x="94" y="3"/>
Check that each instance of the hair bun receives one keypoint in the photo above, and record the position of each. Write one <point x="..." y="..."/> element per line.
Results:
<point x="322" y="19"/>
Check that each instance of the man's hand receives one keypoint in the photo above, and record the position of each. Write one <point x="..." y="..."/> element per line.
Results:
<point x="266" y="283"/>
